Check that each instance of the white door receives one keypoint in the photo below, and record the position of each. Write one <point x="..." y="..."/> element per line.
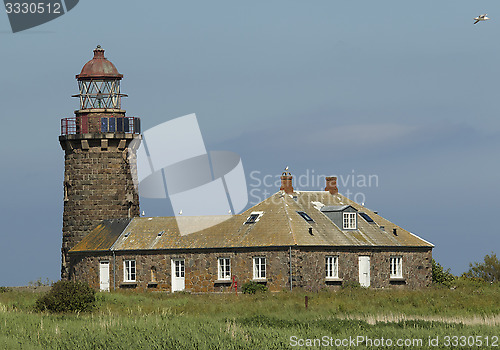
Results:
<point x="364" y="271"/>
<point x="177" y="275"/>
<point x="104" y="275"/>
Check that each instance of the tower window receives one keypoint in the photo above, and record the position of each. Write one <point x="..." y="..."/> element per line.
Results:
<point x="112" y="125"/>
<point x="104" y="124"/>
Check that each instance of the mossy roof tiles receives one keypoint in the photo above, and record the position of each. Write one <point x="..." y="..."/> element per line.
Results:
<point x="280" y="225"/>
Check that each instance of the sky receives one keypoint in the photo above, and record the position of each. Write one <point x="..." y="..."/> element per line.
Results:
<point x="402" y="93"/>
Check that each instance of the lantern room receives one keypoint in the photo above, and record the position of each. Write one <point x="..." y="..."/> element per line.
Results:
<point x="100" y="101"/>
<point x="99" y="83"/>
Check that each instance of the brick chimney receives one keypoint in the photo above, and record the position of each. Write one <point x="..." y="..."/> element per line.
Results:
<point x="331" y="185"/>
<point x="286" y="182"/>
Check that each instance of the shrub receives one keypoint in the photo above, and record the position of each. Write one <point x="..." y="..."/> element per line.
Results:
<point x="4" y="289"/>
<point x="440" y="276"/>
<point x="39" y="282"/>
<point x="488" y="271"/>
<point x="252" y="287"/>
<point x="67" y="296"/>
<point x="351" y="285"/>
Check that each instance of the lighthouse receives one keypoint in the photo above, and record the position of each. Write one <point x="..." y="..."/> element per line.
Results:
<point x="100" y="145"/>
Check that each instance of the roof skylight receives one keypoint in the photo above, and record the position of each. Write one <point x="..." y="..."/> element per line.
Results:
<point x="254" y="217"/>
<point x="366" y="217"/>
<point x="305" y="216"/>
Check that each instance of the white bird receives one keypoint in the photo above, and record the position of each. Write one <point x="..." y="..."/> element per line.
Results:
<point x="143" y="213"/>
<point x="286" y="169"/>
<point x="481" y="18"/>
<point x="180" y="213"/>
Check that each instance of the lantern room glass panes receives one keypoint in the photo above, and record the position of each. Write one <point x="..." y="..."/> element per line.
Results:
<point x="100" y="94"/>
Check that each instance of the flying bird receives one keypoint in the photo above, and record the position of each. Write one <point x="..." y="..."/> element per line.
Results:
<point x="286" y="169"/>
<point x="481" y="18"/>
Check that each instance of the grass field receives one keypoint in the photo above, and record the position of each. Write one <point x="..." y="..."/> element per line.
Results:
<point x="263" y="321"/>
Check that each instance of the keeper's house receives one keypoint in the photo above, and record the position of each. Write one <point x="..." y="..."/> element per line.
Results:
<point x="306" y="239"/>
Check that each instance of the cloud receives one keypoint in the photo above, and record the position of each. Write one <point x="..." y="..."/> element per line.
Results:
<point x="360" y="135"/>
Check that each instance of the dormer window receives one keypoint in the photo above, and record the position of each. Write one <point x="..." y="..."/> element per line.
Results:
<point x="344" y="217"/>
<point x="254" y="217"/>
<point x="349" y="221"/>
<point x="305" y="216"/>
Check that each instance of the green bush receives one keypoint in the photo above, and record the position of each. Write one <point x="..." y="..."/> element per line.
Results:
<point x="4" y="290"/>
<point x="351" y="285"/>
<point x="488" y="271"/>
<point x="67" y="296"/>
<point x="440" y="276"/>
<point x="252" y="287"/>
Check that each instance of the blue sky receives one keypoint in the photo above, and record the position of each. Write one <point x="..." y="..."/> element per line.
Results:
<point x="406" y="91"/>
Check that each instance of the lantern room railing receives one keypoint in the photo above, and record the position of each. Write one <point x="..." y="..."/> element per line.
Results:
<point x="87" y="124"/>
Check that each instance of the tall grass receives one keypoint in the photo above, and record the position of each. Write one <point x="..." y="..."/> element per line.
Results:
<point x="129" y="320"/>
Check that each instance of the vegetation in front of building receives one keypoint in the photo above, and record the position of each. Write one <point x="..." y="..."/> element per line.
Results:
<point x="252" y="287"/>
<point x="440" y="275"/>
<point x="67" y="296"/>
<point x="148" y="320"/>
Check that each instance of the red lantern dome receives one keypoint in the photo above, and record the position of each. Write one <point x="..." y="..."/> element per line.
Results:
<point x="99" y="68"/>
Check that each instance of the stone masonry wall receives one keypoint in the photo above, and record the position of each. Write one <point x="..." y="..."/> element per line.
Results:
<point x="98" y="184"/>
<point x="308" y="268"/>
<point x="416" y="265"/>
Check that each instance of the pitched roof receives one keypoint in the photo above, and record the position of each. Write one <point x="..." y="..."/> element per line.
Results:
<point x="103" y="236"/>
<point x="279" y="225"/>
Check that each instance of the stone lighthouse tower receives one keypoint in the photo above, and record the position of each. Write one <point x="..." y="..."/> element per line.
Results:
<point x="100" y="162"/>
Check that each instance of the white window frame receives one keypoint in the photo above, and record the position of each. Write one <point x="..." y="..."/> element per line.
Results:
<point x="224" y="269"/>
<point x="396" y="265"/>
<point x="349" y="221"/>
<point x="257" y="214"/>
<point x="259" y="268"/>
<point x="332" y="266"/>
<point x="129" y="270"/>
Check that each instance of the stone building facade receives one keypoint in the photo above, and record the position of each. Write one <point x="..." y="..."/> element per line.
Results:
<point x="293" y="239"/>
<point x="307" y="267"/>
<point x="289" y="240"/>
